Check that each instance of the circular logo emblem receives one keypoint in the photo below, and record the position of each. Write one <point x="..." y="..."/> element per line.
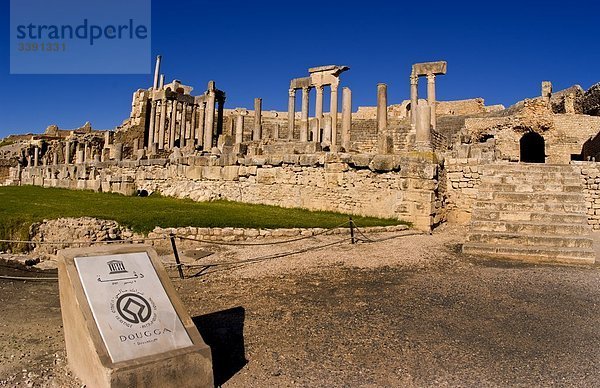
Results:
<point x="133" y="308"/>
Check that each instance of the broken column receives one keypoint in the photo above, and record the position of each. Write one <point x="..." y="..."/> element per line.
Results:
<point x="291" y="113"/>
<point x="546" y="91"/>
<point x="118" y="151"/>
<point x="55" y="159"/>
<point x="156" y="72"/>
<point x="36" y="156"/>
<point x="239" y="128"/>
<point x="67" y="152"/>
<point x="384" y="141"/>
<point x="257" y="133"/>
<point x="346" y="118"/>
<point x="172" y="123"/>
<point x="423" y="127"/>
<point x="79" y="155"/>
<point x="304" y="121"/>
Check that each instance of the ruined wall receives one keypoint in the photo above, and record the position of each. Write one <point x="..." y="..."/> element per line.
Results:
<point x="590" y="179"/>
<point x="463" y="177"/>
<point x="382" y="186"/>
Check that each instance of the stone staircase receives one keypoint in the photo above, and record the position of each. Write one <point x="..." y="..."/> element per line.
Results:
<point x="531" y="212"/>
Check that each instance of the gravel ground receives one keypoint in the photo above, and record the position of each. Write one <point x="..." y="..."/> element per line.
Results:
<point x="408" y="311"/>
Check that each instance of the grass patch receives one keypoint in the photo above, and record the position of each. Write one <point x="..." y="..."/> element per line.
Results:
<point x="20" y="206"/>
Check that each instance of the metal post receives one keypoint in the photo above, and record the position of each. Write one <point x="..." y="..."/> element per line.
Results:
<point x="351" y="230"/>
<point x="179" y="269"/>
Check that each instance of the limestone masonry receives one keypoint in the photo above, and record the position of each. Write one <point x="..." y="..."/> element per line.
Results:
<point x="420" y="160"/>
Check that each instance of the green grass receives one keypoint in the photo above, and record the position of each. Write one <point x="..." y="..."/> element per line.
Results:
<point x="20" y="206"/>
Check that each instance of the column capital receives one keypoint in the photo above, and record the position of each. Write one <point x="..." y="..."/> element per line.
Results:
<point x="334" y="87"/>
<point x="414" y="79"/>
<point x="292" y="92"/>
<point x="319" y="88"/>
<point x="430" y="77"/>
<point x="305" y="89"/>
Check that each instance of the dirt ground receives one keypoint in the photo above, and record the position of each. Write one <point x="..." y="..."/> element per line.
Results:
<point x="408" y="311"/>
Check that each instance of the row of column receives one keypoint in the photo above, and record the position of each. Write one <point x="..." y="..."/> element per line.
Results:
<point x="330" y="128"/>
<point x="188" y="123"/>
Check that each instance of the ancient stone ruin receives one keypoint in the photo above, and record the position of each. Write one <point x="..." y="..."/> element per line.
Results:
<point x="524" y="178"/>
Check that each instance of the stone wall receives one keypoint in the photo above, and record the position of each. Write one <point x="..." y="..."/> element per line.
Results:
<point x="401" y="187"/>
<point x="590" y="179"/>
<point x="463" y="177"/>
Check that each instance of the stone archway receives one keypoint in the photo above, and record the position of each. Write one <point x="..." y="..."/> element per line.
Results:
<point x="532" y="148"/>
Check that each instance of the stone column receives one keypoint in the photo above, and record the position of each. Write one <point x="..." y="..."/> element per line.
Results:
<point x="209" y="121"/>
<point x="151" y="125"/>
<point x="161" y="125"/>
<point x="276" y="131"/>
<point x="332" y="135"/>
<point x="304" y="121"/>
<point x="172" y="124"/>
<point x="55" y="159"/>
<point x="193" y="125"/>
<point x="183" y="129"/>
<point x="36" y="156"/>
<point x="346" y="118"/>
<point x="118" y="151"/>
<point x="423" y="127"/>
<point x="384" y="141"/>
<point x="239" y="128"/>
<point x="257" y="133"/>
<point x="200" y="130"/>
<point x="431" y="97"/>
<point x="319" y="111"/>
<point x="67" y="152"/>
<point x="79" y="155"/>
<point x="414" y="98"/>
<point x="161" y="83"/>
<point x="156" y="72"/>
<point x="106" y="139"/>
<point x="291" y="113"/>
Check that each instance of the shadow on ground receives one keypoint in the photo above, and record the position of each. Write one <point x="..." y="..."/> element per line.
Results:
<point x="223" y="331"/>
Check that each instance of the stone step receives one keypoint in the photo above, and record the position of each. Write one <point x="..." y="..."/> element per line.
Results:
<point x="530" y="228"/>
<point x="532" y="179"/>
<point x="556" y="207"/>
<point x="550" y="187"/>
<point x="532" y="197"/>
<point x="520" y="239"/>
<point x="561" y="217"/>
<point x="542" y="167"/>
<point x="544" y="254"/>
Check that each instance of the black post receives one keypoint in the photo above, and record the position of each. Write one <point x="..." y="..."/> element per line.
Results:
<point x="351" y="230"/>
<point x="176" y="256"/>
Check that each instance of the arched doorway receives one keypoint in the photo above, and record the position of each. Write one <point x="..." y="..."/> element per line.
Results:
<point x="532" y="148"/>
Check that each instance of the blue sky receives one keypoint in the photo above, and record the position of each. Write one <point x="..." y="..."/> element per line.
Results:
<point x="500" y="51"/>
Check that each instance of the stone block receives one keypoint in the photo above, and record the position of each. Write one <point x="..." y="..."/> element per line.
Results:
<point x="212" y="173"/>
<point x="230" y="173"/>
<point x="309" y="160"/>
<point x="361" y="160"/>
<point x="382" y="163"/>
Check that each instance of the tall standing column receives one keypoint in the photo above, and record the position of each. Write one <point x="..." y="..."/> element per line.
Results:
<point x="161" y="83"/>
<point x="239" y="128"/>
<point x="200" y="130"/>
<point x="291" y="113"/>
<point x="414" y="98"/>
<point x="193" y="126"/>
<point x="209" y="121"/>
<point x="304" y="122"/>
<point x="36" y="156"/>
<point x="151" y="125"/>
<point x="172" y="124"/>
<point x="161" y="125"/>
<point x="384" y="141"/>
<point x="183" y="129"/>
<point x="257" y="133"/>
<point x="431" y="97"/>
<point x="319" y="112"/>
<point x="346" y="118"/>
<point x="156" y="72"/>
<point x="334" y="115"/>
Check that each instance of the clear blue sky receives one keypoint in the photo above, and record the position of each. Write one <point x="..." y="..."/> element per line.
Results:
<point x="500" y="51"/>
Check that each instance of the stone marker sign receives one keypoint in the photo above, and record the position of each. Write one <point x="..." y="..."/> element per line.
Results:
<point x="124" y="324"/>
